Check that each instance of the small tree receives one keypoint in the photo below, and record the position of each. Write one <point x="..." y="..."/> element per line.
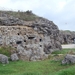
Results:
<point x="29" y="12"/>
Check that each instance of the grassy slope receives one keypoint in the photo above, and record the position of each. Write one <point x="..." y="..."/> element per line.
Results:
<point x="46" y="67"/>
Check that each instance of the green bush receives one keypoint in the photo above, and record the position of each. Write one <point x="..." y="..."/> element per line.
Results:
<point x="6" y="50"/>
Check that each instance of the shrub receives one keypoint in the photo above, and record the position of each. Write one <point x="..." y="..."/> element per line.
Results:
<point x="6" y="50"/>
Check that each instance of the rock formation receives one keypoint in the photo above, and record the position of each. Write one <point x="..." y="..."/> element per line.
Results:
<point x="10" y="20"/>
<point x="67" y="37"/>
<point x="33" y="41"/>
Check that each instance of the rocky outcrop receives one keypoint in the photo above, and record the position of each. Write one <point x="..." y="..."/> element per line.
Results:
<point x="4" y="59"/>
<point x="69" y="59"/>
<point x="10" y="21"/>
<point x="34" y="41"/>
<point x="67" y="37"/>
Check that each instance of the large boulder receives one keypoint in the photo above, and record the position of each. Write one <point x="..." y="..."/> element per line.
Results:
<point x="4" y="59"/>
<point x="69" y="59"/>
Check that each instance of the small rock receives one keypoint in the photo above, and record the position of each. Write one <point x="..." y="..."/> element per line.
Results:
<point x="14" y="57"/>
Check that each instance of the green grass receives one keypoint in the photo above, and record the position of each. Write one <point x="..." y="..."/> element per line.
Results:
<point x="64" y="51"/>
<point x="68" y="71"/>
<point x="45" y="67"/>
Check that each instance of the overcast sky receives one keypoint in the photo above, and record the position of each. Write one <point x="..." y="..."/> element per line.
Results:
<point x="61" y="12"/>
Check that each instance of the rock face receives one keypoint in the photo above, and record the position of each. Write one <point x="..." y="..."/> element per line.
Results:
<point x="67" y="37"/>
<point x="69" y="59"/>
<point x="4" y="59"/>
<point x="10" y="21"/>
<point x="34" y="41"/>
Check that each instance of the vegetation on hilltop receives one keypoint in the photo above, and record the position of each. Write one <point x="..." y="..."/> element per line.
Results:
<point x="27" y="16"/>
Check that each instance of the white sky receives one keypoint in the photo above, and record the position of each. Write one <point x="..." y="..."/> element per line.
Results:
<point x="61" y="12"/>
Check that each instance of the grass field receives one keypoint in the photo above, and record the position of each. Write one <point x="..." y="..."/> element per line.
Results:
<point x="46" y="67"/>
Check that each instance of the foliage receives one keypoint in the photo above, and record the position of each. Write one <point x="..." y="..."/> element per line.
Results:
<point x="6" y="50"/>
<point x="27" y="16"/>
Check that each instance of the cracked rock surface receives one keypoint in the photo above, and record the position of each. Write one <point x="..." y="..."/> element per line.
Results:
<point x="34" y="41"/>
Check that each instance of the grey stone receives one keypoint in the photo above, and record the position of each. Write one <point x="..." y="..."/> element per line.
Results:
<point x="58" y="45"/>
<point x="5" y="20"/>
<point x="14" y="57"/>
<point x="4" y="59"/>
<point x="69" y="59"/>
